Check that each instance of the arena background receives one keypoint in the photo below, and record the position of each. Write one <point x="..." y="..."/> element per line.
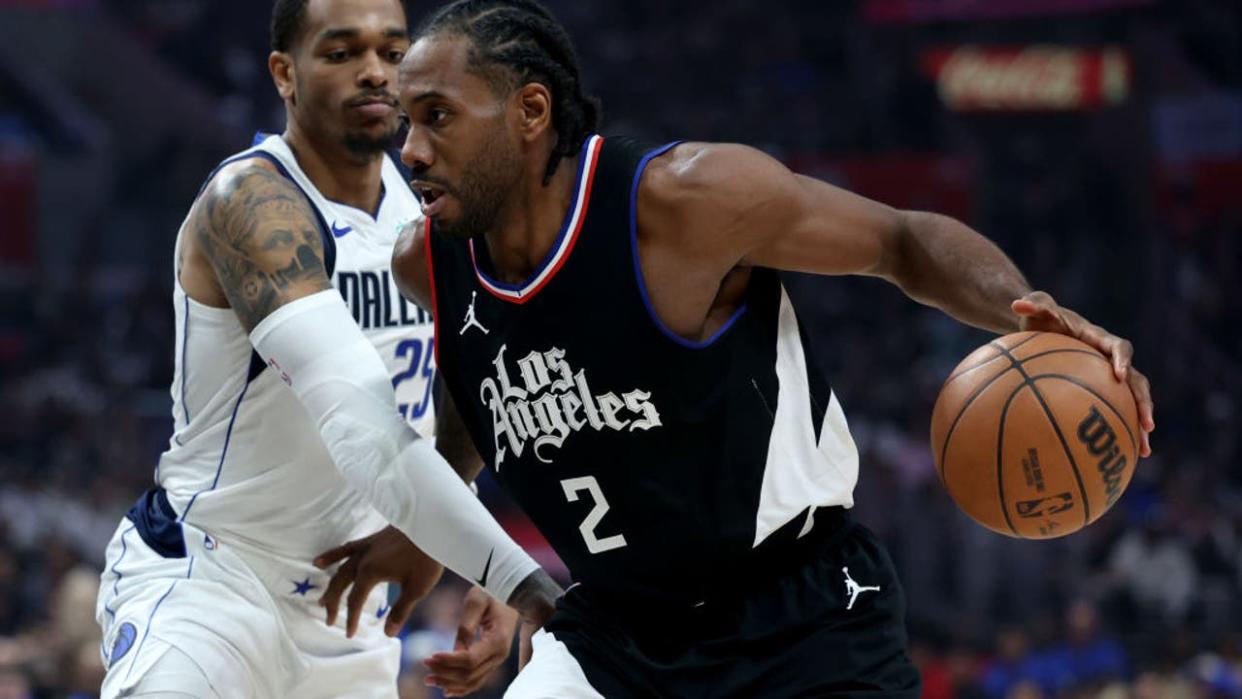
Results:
<point x="1099" y="142"/>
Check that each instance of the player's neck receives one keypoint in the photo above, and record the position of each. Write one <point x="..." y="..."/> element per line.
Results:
<point x="338" y="175"/>
<point x="529" y="224"/>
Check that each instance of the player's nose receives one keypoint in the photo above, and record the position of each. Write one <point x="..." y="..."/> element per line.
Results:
<point x="374" y="71"/>
<point x="416" y="152"/>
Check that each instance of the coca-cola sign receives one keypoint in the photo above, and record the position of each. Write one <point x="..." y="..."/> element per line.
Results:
<point x="1031" y="78"/>
<point x="895" y="11"/>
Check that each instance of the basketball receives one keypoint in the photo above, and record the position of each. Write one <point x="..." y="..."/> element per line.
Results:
<point x="1033" y="435"/>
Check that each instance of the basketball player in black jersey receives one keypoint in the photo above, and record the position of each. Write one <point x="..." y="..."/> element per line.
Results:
<point x="614" y="334"/>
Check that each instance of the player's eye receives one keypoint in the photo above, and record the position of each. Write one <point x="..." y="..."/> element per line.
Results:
<point x="395" y="55"/>
<point x="437" y="115"/>
<point x="337" y="56"/>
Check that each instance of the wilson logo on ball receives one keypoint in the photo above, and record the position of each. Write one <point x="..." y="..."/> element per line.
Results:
<point x="1098" y="436"/>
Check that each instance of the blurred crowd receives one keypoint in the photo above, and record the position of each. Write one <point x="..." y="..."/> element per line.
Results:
<point x="1097" y="208"/>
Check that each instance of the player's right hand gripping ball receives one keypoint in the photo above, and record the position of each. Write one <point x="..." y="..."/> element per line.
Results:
<point x="1033" y="435"/>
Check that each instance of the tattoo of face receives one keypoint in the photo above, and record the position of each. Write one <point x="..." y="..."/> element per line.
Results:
<point x="263" y="241"/>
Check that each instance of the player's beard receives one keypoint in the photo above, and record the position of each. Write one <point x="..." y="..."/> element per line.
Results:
<point x="366" y="145"/>
<point x="488" y="181"/>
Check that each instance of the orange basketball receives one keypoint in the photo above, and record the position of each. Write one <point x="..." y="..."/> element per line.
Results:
<point x="1033" y="435"/>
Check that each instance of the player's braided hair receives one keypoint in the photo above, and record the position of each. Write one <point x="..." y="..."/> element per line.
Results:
<point x="527" y="44"/>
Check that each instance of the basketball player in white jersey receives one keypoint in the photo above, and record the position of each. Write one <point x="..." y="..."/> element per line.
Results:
<point x="301" y="379"/>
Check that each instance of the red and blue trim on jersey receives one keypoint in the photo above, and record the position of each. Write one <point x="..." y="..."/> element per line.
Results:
<point x="431" y="282"/>
<point x="564" y="245"/>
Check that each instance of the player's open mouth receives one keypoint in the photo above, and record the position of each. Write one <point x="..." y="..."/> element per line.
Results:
<point x="431" y="195"/>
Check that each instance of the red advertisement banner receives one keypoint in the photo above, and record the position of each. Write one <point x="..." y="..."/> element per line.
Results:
<point x="902" y="11"/>
<point x="1030" y="78"/>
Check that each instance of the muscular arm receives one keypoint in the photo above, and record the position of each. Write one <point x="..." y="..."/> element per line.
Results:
<point x="409" y="265"/>
<point x="739" y="207"/>
<point x="260" y="238"/>
<point x="257" y="232"/>
<point x="707" y="212"/>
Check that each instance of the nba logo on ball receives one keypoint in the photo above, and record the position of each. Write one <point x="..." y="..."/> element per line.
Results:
<point x="1034" y="436"/>
<point x="125" y="636"/>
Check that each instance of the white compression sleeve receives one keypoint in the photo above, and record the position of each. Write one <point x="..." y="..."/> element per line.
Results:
<point x="315" y="346"/>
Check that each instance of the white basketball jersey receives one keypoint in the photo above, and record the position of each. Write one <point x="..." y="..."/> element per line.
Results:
<point x="245" y="460"/>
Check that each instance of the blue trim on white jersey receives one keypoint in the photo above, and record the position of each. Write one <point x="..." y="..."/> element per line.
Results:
<point x="151" y="616"/>
<point x="260" y="137"/>
<point x="116" y="592"/>
<point x="584" y="161"/>
<point x="185" y="337"/>
<point x="638" y="270"/>
<point x="228" y="434"/>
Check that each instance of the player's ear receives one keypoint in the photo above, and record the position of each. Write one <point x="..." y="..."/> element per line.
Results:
<point x="535" y="104"/>
<point x="280" y="65"/>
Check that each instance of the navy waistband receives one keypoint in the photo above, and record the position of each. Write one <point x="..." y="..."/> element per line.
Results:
<point x="156" y="521"/>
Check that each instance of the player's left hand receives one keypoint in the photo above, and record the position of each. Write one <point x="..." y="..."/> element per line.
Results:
<point x="1038" y="311"/>
<point x="484" y="637"/>
<point x="385" y="556"/>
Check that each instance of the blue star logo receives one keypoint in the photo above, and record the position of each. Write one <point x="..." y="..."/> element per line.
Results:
<point x="301" y="588"/>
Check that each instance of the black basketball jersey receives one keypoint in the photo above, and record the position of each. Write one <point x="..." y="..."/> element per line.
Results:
<point x="653" y="465"/>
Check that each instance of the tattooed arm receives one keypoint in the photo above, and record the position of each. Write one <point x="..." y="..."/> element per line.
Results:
<point x="252" y="243"/>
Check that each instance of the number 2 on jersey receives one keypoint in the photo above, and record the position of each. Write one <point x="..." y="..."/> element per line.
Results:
<point x="594" y="544"/>
<point x="420" y="356"/>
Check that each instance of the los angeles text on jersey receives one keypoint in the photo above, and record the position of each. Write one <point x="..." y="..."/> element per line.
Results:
<point x="375" y="302"/>
<point x="552" y="401"/>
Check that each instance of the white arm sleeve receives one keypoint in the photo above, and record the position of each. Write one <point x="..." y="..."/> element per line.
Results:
<point x="315" y="346"/>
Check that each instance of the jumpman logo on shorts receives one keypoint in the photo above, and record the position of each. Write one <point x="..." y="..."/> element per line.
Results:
<point x="471" y="320"/>
<point x="853" y="589"/>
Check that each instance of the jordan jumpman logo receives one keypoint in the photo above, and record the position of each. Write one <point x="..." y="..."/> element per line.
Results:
<point x="472" y="321"/>
<point x="853" y="589"/>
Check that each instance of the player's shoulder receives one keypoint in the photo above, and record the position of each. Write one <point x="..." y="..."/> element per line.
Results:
<point x="696" y="171"/>
<point x="696" y="192"/>
<point x="409" y="262"/>
<point x="243" y="174"/>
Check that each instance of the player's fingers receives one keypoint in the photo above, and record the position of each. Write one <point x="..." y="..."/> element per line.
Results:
<point x="459" y="682"/>
<point x="331" y="599"/>
<point x="452" y="677"/>
<point x="471" y="614"/>
<point x="475" y="680"/>
<point x="400" y="611"/>
<point x="450" y="687"/>
<point x="526" y="646"/>
<point x="1030" y="311"/>
<point x="1122" y="354"/>
<point x="363" y="585"/>
<point x="480" y="655"/>
<point x="452" y="681"/>
<point x="331" y="556"/>
<point x="1034" y="303"/>
<point x="452" y="661"/>
<point x="1120" y="351"/>
<point x="1141" y="389"/>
